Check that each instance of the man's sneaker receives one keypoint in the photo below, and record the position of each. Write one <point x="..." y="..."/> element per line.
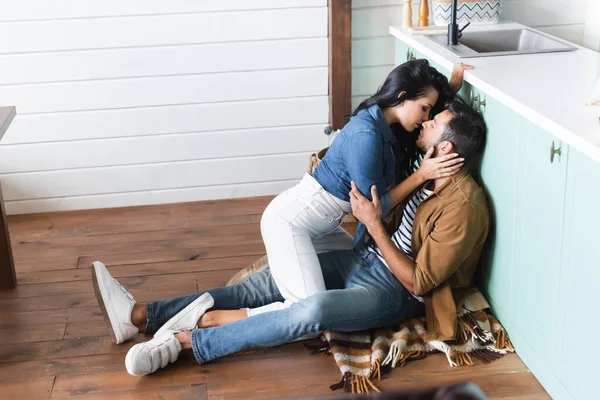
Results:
<point x="145" y="358"/>
<point x="115" y="302"/>
<point x="187" y="319"/>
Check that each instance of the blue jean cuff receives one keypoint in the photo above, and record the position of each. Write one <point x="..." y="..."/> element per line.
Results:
<point x="195" y="348"/>
<point x="150" y="328"/>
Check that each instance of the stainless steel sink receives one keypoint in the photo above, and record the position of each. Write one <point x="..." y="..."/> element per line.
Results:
<point x="502" y="43"/>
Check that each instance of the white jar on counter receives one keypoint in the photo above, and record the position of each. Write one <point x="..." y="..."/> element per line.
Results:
<point x="473" y="11"/>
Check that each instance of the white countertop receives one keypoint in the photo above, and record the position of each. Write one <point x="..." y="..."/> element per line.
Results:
<point x="550" y="89"/>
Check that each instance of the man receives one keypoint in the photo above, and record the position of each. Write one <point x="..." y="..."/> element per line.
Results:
<point x="435" y="251"/>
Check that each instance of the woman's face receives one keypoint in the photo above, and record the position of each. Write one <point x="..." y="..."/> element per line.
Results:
<point x="412" y="113"/>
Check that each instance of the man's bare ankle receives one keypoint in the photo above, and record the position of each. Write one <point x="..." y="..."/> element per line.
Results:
<point x="138" y="316"/>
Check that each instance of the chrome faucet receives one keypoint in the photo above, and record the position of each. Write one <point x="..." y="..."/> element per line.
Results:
<point x="453" y="32"/>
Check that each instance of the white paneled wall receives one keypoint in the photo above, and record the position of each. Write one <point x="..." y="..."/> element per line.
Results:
<point x="591" y="36"/>
<point x="373" y="51"/>
<point x="150" y="101"/>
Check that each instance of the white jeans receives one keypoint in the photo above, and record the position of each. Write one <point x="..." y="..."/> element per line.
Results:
<point x="298" y="224"/>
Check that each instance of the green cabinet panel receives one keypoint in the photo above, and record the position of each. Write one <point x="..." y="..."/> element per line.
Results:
<point x="435" y="65"/>
<point x="401" y="52"/>
<point x="538" y="236"/>
<point x="541" y="265"/>
<point x="499" y="172"/>
<point x="577" y="315"/>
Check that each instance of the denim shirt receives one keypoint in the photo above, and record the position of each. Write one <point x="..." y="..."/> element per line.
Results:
<point x="363" y="153"/>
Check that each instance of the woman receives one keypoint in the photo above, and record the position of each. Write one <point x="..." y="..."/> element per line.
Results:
<point x="376" y="147"/>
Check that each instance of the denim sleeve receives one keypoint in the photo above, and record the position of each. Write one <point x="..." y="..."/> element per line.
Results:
<point x="363" y="153"/>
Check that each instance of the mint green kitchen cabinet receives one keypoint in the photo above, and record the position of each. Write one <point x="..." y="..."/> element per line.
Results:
<point x="577" y="323"/>
<point x="541" y="185"/>
<point x="499" y="172"/>
<point x="524" y="173"/>
<point x="433" y="64"/>
<point x="403" y="52"/>
<point x="541" y="265"/>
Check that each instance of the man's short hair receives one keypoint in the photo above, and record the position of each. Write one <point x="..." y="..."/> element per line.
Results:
<point x="466" y="130"/>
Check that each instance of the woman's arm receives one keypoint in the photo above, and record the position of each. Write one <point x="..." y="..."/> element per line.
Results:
<point x="430" y="168"/>
<point x="458" y="73"/>
<point x="363" y="155"/>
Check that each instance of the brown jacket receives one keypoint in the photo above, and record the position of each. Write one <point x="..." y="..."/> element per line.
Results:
<point x="449" y="231"/>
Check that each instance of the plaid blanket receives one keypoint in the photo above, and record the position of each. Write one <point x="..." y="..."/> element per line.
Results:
<point x="362" y="355"/>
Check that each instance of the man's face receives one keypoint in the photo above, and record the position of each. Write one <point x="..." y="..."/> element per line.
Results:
<point x="432" y="130"/>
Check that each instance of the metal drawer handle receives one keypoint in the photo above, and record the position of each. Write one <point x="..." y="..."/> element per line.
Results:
<point x="482" y="102"/>
<point x="479" y="100"/>
<point x="554" y="151"/>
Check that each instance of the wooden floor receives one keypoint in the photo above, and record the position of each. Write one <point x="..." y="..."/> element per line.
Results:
<point x="54" y="343"/>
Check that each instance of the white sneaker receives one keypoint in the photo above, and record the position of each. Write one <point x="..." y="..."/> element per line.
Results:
<point x="115" y="302"/>
<point x="187" y="319"/>
<point x="145" y="358"/>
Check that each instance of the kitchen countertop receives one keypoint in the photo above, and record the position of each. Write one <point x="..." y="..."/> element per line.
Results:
<point x="7" y="114"/>
<point x="550" y="89"/>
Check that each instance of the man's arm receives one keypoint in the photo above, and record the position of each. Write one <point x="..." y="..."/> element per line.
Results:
<point x="402" y="267"/>
<point x="369" y="213"/>
<point x="456" y="234"/>
<point x="363" y="155"/>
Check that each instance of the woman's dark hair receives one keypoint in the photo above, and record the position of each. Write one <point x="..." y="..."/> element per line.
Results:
<point x="414" y="78"/>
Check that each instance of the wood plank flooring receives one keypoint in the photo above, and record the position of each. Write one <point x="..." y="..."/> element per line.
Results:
<point x="54" y="343"/>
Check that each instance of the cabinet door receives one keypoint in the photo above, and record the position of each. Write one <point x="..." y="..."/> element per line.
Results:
<point x="499" y="172"/>
<point x="538" y="236"/>
<point x="434" y="64"/>
<point x="401" y="52"/>
<point x="577" y="313"/>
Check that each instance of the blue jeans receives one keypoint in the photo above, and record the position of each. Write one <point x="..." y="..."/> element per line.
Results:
<point x="362" y="293"/>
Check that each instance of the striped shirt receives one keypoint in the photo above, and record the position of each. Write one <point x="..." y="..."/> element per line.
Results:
<point x="402" y="238"/>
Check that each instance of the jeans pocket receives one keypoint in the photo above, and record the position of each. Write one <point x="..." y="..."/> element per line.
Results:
<point x="317" y="220"/>
<point x="320" y="212"/>
<point x="325" y="208"/>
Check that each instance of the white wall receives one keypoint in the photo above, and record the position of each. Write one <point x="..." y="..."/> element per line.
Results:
<point x="373" y="51"/>
<point x="591" y="35"/>
<point x="128" y="102"/>
<point x="562" y="18"/>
